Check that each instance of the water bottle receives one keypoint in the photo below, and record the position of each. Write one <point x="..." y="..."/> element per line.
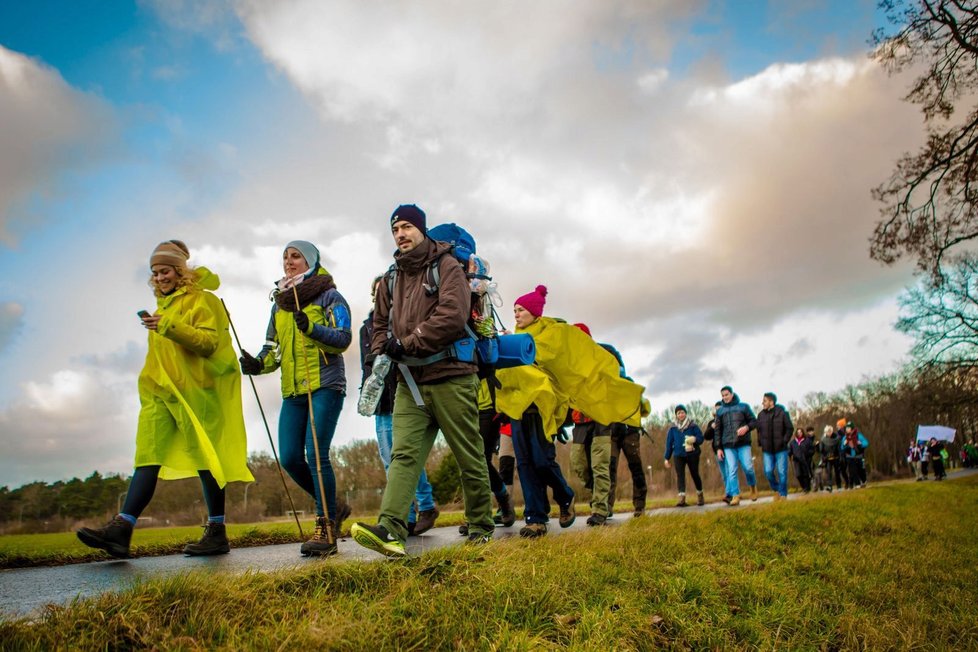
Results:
<point x="374" y="386"/>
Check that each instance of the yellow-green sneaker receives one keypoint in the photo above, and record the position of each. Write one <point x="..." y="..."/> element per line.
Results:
<point x="376" y="537"/>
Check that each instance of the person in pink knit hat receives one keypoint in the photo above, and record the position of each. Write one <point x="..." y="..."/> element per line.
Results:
<point x="536" y="455"/>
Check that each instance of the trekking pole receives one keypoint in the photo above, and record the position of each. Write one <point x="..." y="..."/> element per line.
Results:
<point x="312" y="422"/>
<point x="267" y="429"/>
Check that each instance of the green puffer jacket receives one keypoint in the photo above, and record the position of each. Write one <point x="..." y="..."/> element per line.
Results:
<point x="315" y="355"/>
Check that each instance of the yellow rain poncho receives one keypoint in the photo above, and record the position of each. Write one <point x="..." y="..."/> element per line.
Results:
<point x="190" y="390"/>
<point x="571" y="370"/>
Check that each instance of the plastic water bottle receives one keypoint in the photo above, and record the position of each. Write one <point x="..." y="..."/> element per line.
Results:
<point x="373" y="388"/>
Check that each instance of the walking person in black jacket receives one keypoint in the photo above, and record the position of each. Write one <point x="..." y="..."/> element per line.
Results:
<point x="773" y="434"/>
<point x="734" y="421"/>
<point x="802" y="451"/>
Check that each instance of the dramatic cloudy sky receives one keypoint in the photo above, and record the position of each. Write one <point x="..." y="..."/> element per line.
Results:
<point x="691" y="179"/>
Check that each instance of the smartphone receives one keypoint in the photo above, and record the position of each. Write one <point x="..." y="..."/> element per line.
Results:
<point x="143" y="314"/>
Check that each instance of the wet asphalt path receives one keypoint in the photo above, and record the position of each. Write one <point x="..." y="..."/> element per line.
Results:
<point x="24" y="591"/>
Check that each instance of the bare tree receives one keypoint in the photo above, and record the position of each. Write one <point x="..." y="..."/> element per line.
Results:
<point x="943" y="318"/>
<point x="929" y="202"/>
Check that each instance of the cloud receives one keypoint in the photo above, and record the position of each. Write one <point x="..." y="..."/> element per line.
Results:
<point x="50" y="131"/>
<point x="76" y="421"/>
<point x="11" y="321"/>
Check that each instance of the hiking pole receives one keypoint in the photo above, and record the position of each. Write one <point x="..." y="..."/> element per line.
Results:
<point x="267" y="429"/>
<point x="330" y="539"/>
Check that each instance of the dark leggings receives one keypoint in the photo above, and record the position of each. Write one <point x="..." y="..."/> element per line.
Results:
<point x="143" y="484"/>
<point x="834" y="468"/>
<point x="854" y="478"/>
<point x="692" y="462"/>
<point x="489" y="429"/>
<point x="938" y="464"/>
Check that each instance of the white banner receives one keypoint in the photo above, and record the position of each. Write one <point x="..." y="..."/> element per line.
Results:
<point x="940" y="433"/>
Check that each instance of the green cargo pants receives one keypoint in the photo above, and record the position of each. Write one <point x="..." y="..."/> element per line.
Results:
<point x="596" y="447"/>
<point x="452" y="407"/>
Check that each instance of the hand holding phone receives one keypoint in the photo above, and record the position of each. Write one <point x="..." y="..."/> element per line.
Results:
<point x="143" y="314"/>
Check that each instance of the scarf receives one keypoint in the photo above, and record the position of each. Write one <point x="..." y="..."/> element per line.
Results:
<point x="307" y="290"/>
<point x="682" y="425"/>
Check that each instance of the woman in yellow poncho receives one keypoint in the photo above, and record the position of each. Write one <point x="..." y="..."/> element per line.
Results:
<point x="190" y="420"/>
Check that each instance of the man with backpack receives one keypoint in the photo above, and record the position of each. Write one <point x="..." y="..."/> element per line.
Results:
<point x="418" y="320"/>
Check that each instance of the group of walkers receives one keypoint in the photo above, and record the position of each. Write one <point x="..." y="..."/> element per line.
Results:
<point x="841" y="450"/>
<point x="931" y="454"/>
<point x="419" y="347"/>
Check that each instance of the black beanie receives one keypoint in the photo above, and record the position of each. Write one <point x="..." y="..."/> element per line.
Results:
<point x="410" y="213"/>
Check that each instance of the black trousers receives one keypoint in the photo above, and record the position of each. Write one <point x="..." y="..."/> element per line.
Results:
<point x="834" y="468"/>
<point x="854" y="465"/>
<point x="489" y="429"/>
<point x="803" y="474"/>
<point x="629" y="445"/>
<point x="691" y="462"/>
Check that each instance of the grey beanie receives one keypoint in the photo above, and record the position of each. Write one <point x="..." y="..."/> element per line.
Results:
<point x="308" y="251"/>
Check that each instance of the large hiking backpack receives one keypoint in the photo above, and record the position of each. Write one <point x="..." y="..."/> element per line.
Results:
<point x="481" y="344"/>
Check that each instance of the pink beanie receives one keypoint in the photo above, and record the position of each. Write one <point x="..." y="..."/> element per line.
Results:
<point x="534" y="301"/>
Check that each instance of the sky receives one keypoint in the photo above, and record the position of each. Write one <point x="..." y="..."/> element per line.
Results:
<point x="691" y="179"/>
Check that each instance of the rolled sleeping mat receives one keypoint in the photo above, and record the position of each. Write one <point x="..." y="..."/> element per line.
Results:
<point x="516" y="350"/>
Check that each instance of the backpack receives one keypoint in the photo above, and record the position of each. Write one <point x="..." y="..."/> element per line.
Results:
<point x="480" y="344"/>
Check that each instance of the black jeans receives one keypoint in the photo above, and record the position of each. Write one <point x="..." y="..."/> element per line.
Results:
<point x="854" y="478"/>
<point x="834" y="469"/>
<point x="628" y="443"/>
<point x="692" y="462"/>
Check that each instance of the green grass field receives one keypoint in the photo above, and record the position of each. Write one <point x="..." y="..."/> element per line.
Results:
<point x="890" y="567"/>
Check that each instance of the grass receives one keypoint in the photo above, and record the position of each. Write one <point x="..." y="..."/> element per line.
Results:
<point x="888" y="567"/>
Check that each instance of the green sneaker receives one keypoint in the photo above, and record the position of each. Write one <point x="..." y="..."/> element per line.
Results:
<point x="376" y="537"/>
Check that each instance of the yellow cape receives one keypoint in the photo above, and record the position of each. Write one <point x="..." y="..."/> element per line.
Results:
<point x="571" y="370"/>
<point x="190" y="390"/>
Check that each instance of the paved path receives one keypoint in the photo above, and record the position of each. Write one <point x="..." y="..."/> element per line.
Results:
<point x="23" y="591"/>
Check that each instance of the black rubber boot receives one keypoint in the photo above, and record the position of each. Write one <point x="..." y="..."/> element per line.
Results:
<point x="214" y="542"/>
<point x="113" y="538"/>
<point x="323" y="541"/>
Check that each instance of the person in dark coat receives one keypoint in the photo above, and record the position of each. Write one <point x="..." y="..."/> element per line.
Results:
<point x="683" y="443"/>
<point x="773" y="434"/>
<point x="801" y="452"/>
<point x="734" y="421"/>
<point x="934" y="449"/>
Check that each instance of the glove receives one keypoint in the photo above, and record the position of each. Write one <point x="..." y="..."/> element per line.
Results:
<point x="301" y="321"/>
<point x="394" y="349"/>
<point x="562" y="435"/>
<point x="250" y="365"/>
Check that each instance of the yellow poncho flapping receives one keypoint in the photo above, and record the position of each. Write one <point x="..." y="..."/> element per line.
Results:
<point x="190" y="417"/>
<point x="577" y="372"/>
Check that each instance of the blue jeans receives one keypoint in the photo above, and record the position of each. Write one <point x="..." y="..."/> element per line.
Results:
<point x="296" y="446"/>
<point x="738" y="456"/>
<point x="779" y="483"/>
<point x="536" y="462"/>
<point x="423" y="498"/>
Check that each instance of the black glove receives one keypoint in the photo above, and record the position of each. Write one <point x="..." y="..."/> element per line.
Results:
<point x="394" y="349"/>
<point x="301" y="320"/>
<point x="250" y="365"/>
<point x="562" y="435"/>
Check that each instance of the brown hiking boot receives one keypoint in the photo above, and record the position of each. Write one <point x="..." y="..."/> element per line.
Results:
<point x="735" y="501"/>
<point x="323" y="541"/>
<point x="506" y="515"/>
<point x="753" y="492"/>
<point x="113" y="537"/>
<point x="700" y="501"/>
<point x="533" y="530"/>
<point x="567" y="515"/>
<point x="682" y="500"/>
<point x="214" y="542"/>
<point x="426" y="520"/>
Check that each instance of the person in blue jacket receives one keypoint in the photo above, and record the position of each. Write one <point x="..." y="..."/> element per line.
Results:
<point x="853" y="452"/>
<point x="683" y="442"/>
<point x="734" y="421"/>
